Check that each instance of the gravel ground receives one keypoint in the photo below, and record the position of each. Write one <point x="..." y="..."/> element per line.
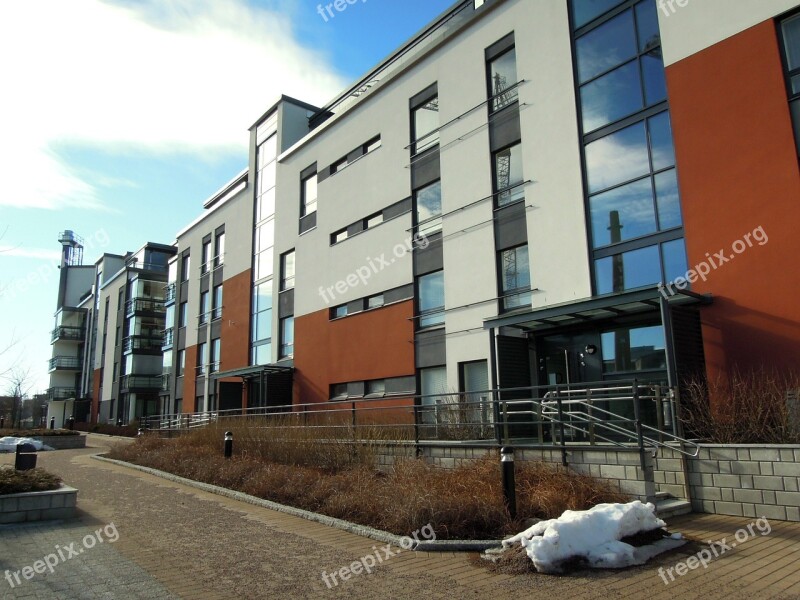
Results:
<point x="178" y="542"/>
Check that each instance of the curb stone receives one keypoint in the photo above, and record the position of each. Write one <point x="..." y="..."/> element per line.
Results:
<point x="362" y="530"/>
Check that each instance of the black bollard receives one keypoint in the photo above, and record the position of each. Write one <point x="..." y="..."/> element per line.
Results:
<point x="2" y="422"/>
<point x="509" y="484"/>
<point x="71" y="423"/>
<point x="52" y="422"/>
<point x="228" y="444"/>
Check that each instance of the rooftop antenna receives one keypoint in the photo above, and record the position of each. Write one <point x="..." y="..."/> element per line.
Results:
<point x="71" y="248"/>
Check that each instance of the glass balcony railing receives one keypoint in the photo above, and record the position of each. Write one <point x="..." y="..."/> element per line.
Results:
<point x="65" y="363"/>
<point x="170" y="291"/>
<point x="137" y="343"/>
<point x="169" y="337"/>
<point x="144" y="306"/>
<point x="74" y="334"/>
<point x="140" y="382"/>
<point x="61" y="393"/>
<point x="166" y="375"/>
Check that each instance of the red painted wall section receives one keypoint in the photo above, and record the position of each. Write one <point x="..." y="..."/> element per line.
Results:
<point x="235" y="334"/>
<point x="96" y="379"/>
<point x="372" y="345"/>
<point x="738" y="171"/>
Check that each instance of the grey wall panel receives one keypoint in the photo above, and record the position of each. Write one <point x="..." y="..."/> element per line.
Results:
<point x="308" y="222"/>
<point x="510" y="227"/>
<point x="426" y="169"/>
<point x="430" y="349"/>
<point x="504" y="128"/>
<point x="398" y="294"/>
<point x="286" y="304"/>
<point x="430" y="258"/>
<point x="216" y="329"/>
<point x="398" y="208"/>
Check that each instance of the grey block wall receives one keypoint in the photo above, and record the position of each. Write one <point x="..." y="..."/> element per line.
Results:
<point x="38" y="506"/>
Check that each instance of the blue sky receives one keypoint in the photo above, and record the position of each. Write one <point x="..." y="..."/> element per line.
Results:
<point x="120" y="117"/>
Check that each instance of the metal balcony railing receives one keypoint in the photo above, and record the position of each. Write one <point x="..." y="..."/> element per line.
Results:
<point x="76" y="334"/>
<point x="170" y="292"/>
<point x="169" y="337"/>
<point x="65" y="363"/>
<point x="166" y="376"/>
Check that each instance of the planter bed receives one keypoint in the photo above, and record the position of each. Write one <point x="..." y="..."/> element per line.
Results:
<point x="38" y="506"/>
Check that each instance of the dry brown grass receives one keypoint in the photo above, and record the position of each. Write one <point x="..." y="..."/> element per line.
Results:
<point x="20" y="482"/>
<point x="743" y="408"/>
<point x="340" y="480"/>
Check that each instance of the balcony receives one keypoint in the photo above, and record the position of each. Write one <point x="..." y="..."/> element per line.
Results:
<point x="67" y="334"/>
<point x="170" y="291"/>
<point x="145" y="307"/>
<point x="134" y="383"/>
<point x="65" y="363"/>
<point x="61" y="393"/>
<point x="166" y="376"/>
<point x="169" y="337"/>
<point x="141" y="344"/>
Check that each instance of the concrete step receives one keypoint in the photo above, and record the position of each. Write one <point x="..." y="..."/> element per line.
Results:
<point x="668" y="506"/>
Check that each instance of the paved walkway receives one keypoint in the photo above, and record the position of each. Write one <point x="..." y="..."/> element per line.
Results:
<point x="172" y="541"/>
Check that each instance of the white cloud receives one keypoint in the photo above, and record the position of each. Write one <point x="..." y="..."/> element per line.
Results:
<point x="163" y="76"/>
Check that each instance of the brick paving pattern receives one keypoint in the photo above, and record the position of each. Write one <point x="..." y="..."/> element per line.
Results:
<point x="179" y="542"/>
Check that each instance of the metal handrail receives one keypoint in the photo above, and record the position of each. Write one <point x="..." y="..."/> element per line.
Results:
<point x="560" y="411"/>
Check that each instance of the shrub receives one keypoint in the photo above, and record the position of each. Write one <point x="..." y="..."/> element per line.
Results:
<point x="104" y="428"/>
<point x="750" y="407"/>
<point x="465" y="502"/>
<point x="19" y="482"/>
<point x="37" y="432"/>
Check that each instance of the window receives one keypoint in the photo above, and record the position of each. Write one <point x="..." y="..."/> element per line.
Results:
<point x="287" y="270"/>
<point x="431" y="299"/>
<point x="202" y="358"/>
<point x="433" y="384"/>
<point x="217" y="314"/>
<point x="790" y="32"/>
<point x="376" y="387"/>
<point x="287" y="337"/>
<point x="508" y="175"/>
<point x="428" y="202"/>
<point x="503" y="79"/>
<point x="634" y="349"/>
<point x="339" y="165"/>
<point x="205" y="257"/>
<point x="373" y="144"/>
<point x="339" y="236"/>
<point x="181" y="363"/>
<point x="309" y="195"/>
<point x="373" y="220"/>
<point x="425" y="123"/>
<point x="515" y="279"/>
<point x="219" y="250"/>
<point x="264" y="249"/>
<point x="215" y="354"/>
<point x="182" y="314"/>
<point x="185" y="266"/>
<point x="339" y="390"/>
<point x="375" y="301"/>
<point x="203" y="307"/>
<point x="641" y="267"/>
<point x="339" y="311"/>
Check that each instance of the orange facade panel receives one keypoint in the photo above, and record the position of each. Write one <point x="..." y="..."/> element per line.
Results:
<point x="375" y="344"/>
<point x="740" y="193"/>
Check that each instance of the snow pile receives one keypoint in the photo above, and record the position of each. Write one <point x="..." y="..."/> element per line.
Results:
<point x="593" y="535"/>
<point x="9" y="444"/>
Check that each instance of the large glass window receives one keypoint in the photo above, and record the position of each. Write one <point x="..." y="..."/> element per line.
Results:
<point x="425" y="120"/>
<point x="428" y="201"/>
<point x="203" y="307"/>
<point x="186" y="264"/>
<point x="503" y="79"/>
<point x="216" y="348"/>
<point x="287" y="337"/>
<point x="790" y="30"/>
<point x="180" y="364"/>
<point x="587" y="10"/>
<point x="205" y="257"/>
<point x="508" y="175"/>
<point x="287" y="270"/>
<point x="431" y="299"/>
<point x="202" y="358"/>
<point x="183" y="314"/>
<point x="309" y="195"/>
<point x="219" y="250"/>
<point x="634" y="349"/>
<point x="515" y="278"/>
<point x="620" y="67"/>
<point x="217" y="314"/>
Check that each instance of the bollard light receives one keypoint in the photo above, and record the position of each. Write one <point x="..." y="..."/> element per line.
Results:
<point x="71" y="423"/>
<point x="228" y="444"/>
<point x="52" y="422"/>
<point x="2" y="422"/>
<point x="140" y="432"/>
<point x="509" y="484"/>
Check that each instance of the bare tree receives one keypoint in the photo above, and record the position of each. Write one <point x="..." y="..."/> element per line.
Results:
<point x="19" y="384"/>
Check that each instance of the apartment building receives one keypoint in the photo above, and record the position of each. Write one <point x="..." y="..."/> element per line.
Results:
<point x="525" y="193"/>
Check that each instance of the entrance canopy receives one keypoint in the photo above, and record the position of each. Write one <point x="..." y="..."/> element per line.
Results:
<point x="599" y="308"/>
<point x="255" y="372"/>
